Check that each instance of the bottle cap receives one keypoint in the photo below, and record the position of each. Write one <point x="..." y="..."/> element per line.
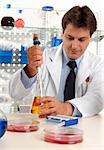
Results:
<point x="47" y="8"/>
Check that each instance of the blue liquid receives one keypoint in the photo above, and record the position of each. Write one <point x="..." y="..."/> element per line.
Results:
<point x="3" y="127"/>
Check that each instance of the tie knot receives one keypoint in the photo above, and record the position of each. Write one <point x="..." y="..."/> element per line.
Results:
<point x="72" y="64"/>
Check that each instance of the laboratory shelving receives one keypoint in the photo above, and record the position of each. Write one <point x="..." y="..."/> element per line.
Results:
<point x="23" y="37"/>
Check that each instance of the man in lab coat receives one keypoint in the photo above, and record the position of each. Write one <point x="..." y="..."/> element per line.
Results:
<point x="78" y="25"/>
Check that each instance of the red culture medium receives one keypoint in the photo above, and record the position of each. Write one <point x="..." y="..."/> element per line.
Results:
<point x="70" y="136"/>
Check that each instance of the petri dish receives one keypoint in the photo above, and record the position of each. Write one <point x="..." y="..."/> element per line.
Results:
<point x="22" y="124"/>
<point x="63" y="135"/>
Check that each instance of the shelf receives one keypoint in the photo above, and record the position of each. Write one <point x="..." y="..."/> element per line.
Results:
<point x="23" y="37"/>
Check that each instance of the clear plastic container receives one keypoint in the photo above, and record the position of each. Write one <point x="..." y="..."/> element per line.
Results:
<point x="63" y="135"/>
<point x="22" y="123"/>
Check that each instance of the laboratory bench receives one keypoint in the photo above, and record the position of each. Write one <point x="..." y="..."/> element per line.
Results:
<point x="93" y="138"/>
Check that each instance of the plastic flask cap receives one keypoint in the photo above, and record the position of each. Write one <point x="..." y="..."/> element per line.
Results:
<point x="47" y="8"/>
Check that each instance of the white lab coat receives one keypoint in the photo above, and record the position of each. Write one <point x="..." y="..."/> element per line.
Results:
<point x="89" y="86"/>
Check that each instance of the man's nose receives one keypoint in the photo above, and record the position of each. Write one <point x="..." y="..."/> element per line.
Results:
<point x="75" y="44"/>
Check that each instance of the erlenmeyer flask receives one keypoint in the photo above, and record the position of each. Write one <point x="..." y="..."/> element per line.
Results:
<point x="3" y="123"/>
<point x="36" y="101"/>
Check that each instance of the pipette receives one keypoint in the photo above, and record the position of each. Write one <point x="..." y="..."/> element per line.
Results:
<point x="37" y="42"/>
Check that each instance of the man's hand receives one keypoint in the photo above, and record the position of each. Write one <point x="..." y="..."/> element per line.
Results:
<point x="51" y="106"/>
<point x="34" y="55"/>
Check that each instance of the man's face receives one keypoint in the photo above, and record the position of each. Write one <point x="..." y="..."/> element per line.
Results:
<point x="75" y="41"/>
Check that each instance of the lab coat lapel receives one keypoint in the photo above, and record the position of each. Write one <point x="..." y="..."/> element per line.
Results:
<point x="54" y="65"/>
<point x="83" y="71"/>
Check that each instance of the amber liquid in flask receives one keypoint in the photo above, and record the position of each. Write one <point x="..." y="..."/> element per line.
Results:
<point x="35" y="106"/>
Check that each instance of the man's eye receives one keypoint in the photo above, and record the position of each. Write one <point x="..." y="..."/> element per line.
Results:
<point x="81" y="40"/>
<point x="70" y="38"/>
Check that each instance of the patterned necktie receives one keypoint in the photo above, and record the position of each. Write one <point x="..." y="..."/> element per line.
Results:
<point x="69" y="91"/>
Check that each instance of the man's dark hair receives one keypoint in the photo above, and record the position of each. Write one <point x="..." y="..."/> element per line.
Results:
<point x="80" y="17"/>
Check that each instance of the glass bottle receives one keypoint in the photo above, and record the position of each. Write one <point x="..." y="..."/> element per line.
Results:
<point x="3" y="123"/>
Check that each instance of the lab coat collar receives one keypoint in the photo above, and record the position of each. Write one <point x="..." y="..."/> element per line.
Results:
<point x="54" y="65"/>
